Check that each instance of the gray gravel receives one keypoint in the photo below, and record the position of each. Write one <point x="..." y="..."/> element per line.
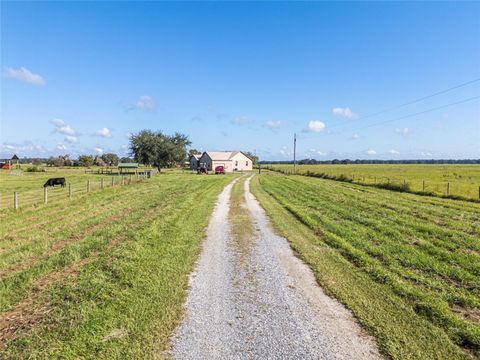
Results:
<point x="261" y="302"/>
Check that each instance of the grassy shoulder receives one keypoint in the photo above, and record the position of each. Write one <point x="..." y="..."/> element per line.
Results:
<point x="116" y="288"/>
<point x="402" y="328"/>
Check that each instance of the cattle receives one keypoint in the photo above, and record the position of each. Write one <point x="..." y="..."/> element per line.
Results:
<point x="55" y="181"/>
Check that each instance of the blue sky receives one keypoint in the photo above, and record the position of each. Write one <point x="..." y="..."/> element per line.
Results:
<point x="79" y="77"/>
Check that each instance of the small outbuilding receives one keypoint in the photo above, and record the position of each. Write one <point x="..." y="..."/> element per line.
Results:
<point x="127" y="168"/>
<point x="230" y="160"/>
<point x="194" y="161"/>
<point x="8" y="163"/>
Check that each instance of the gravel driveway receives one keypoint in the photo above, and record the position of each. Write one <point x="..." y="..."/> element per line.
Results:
<point x="264" y="304"/>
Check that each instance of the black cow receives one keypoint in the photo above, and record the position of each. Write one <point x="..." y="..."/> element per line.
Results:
<point x="55" y="181"/>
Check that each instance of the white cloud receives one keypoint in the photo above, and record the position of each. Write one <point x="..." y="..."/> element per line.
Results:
<point x="104" y="132"/>
<point x="394" y="152"/>
<point x="285" y="152"/>
<point x="65" y="130"/>
<point x="274" y="124"/>
<point x="402" y="131"/>
<point x="242" y="120"/>
<point x="345" y="112"/>
<point x="371" y="152"/>
<point x="426" y="153"/>
<point x="355" y="137"/>
<point x="98" y="150"/>
<point x="61" y="147"/>
<point x="146" y="103"/>
<point x="71" y="139"/>
<point x="58" y="122"/>
<point x="317" y="152"/>
<point x="315" y="126"/>
<point x="24" y="75"/>
<point x="61" y="127"/>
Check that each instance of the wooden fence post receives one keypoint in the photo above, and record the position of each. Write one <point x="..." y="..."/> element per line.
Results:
<point x="101" y="183"/>
<point x="448" y="188"/>
<point x="88" y="185"/>
<point x="15" y="200"/>
<point x="70" y="190"/>
<point x="122" y="180"/>
<point x="113" y="181"/>
<point x="423" y="185"/>
<point x="130" y="179"/>
<point x="45" y="195"/>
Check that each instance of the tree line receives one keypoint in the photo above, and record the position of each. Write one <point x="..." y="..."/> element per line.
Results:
<point x="348" y="161"/>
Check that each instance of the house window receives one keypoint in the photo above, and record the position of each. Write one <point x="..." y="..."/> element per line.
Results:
<point x="236" y="163"/>
<point x="246" y="163"/>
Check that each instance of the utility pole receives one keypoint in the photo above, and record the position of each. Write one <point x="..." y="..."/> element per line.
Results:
<point x="294" y="153"/>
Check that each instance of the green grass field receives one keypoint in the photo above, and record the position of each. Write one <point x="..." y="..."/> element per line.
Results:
<point x="29" y="185"/>
<point x="464" y="179"/>
<point x="104" y="275"/>
<point x="408" y="266"/>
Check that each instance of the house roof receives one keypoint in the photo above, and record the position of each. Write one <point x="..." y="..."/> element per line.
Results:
<point x="15" y="157"/>
<point x="128" y="165"/>
<point x="222" y="155"/>
<point x="196" y="156"/>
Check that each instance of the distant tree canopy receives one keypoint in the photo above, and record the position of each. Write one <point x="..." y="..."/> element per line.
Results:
<point x="193" y="152"/>
<point x="85" y="160"/>
<point x="110" y="159"/>
<point x="158" y="149"/>
<point x="252" y="156"/>
<point x="348" y="161"/>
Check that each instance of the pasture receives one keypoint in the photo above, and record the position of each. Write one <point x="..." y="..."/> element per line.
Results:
<point x="451" y="179"/>
<point x="408" y="266"/>
<point x="104" y="276"/>
<point x="29" y="185"/>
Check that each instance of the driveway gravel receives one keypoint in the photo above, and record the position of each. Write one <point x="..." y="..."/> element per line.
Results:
<point x="263" y="303"/>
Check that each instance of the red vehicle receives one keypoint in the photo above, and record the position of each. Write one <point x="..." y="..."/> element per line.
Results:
<point x="219" y="170"/>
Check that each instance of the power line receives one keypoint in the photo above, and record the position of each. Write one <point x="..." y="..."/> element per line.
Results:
<point x="417" y="113"/>
<point x="410" y="102"/>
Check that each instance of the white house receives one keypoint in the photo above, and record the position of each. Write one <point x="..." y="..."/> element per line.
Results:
<point x="230" y="160"/>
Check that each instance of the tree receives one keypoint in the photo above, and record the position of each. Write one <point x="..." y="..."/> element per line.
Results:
<point x="157" y="149"/>
<point x="126" y="160"/>
<point x="98" y="161"/>
<point x="193" y="152"/>
<point x="253" y="157"/>
<point x="110" y="159"/>
<point x="85" y="160"/>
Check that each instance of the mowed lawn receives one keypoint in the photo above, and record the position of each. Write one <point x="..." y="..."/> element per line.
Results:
<point x="408" y="266"/>
<point x="103" y="275"/>
<point x="464" y="179"/>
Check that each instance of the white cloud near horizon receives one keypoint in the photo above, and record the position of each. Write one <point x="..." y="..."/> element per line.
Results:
<point x="345" y="112"/>
<point x="24" y="75"/>
<point x="315" y="126"/>
<point x="146" y="103"/>
<point x="402" y="131"/>
<point x="274" y="124"/>
<point x="355" y="137"/>
<point x="71" y="139"/>
<point x="394" y="152"/>
<point x="61" y="127"/>
<point x="371" y="152"/>
<point x="104" y="132"/>
<point x="242" y="120"/>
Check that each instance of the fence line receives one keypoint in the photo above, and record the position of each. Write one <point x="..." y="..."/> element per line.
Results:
<point x="432" y="188"/>
<point x="50" y="197"/>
